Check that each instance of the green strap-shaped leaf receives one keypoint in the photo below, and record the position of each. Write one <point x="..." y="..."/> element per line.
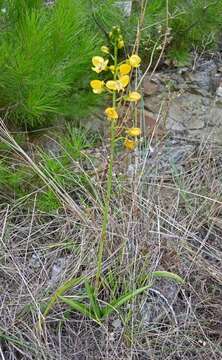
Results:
<point x="60" y="291"/>
<point x="114" y="305"/>
<point x="93" y="300"/>
<point x="78" y="306"/>
<point x="167" y="275"/>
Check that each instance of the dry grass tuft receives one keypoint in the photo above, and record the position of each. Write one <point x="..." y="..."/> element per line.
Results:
<point x="171" y="221"/>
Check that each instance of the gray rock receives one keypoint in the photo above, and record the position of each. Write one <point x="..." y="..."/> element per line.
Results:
<point x="159" y="303"/>
<point x="214" y="118"/>
<point x="163" y="159"/>
<point x="174" y="124"/>
<point x="150" y="88"/>
<point x="126" y="6"/>
<point x="219" y="91"/>
<point x="35" y="261"/>
<point x="117" y="324"/>
<point x="190" y="101"/>
<point x="57" y="270"/>
<point x="197" y="124"/>
<point x="95" y="123"/>
<point x="52" y="147"/>
<point x="194" y="89"/>
<point x="204" y="76"/>
<point x="153" y="103"/>
<point x="210" y="134"/>
<point x="186" y="112"/>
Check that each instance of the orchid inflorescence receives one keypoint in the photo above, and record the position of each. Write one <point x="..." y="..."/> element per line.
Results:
<point x="118" y="85"/>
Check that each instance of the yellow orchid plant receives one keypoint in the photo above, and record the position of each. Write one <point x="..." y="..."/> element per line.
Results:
<point x="118" y="87"/>
<point x="121" y="75"/>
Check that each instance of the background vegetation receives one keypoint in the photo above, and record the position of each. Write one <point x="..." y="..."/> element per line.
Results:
<point x="193" y="24"/>
<point x="45" y="51"/>
<point x="45" y="54"/>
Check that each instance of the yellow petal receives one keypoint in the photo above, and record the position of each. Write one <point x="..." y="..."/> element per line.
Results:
<point x="114" y="85"/>
<point x="96" y="84"/>
<point x="124" y="80"/>
<point x="133" y="96"/>
<point x="125" y="69"/>
<point x="96" y="69"/>
<point x="106" y="63"/>
<point x="130" y="144"/>
<point x="98" y="91"/>
<point x="99" y="63"/>
<point x="111" y="113"/>
<point x="117" y="85"/>
<point x="111" y="85"/>
<point x="134" y="132"/>
<point x="97" y="60"/>
<point x="135" y="61"/>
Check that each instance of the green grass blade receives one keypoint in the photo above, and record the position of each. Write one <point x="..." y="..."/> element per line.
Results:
<point x="114" y="305"/>
<point x="78" y="306"/>
<point x="60" y="291"/>
<point x="168" y="275"/>
<point x="93" y="300"/>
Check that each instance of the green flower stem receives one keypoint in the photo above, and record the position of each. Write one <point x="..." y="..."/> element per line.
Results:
<point x="106" y="207"/>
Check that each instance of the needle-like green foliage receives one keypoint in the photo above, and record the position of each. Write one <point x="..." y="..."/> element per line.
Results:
<point x="191" y="24"/>
<point x="45" y="53"/>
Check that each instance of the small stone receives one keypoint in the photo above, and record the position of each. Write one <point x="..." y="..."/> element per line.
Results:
<point x="174" y="125"/>
<point x="196" y="124"/>
<point x="219" y="91"/>
<point x="126" y="6"/>
<point x="35" y="261"/>
<point x="215" y="117"/>
<point x="150" y="88"/>
<point x="57" y="269"/>
<point x="117" y="324"/>
<point x="193" y="89"/>
<point x="153" y="103"/>
<point x="111" y="337"/>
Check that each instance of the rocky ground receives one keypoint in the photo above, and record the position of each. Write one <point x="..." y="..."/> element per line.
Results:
<point x="187" y="101"/>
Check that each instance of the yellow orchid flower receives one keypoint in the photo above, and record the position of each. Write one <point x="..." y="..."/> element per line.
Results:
<point x="114" y="85"/>
<point x="111" y="113"/>
<point x="125" y="69"/>
<point x="100" y="64"/>
<point x="104" y="49"/>
<point x="97" y="86"/>
<point x="133" y="96"/>
<point x="134" y="131"/>
<point x="135" y="61"/>
<point x="124" y="80"/>
<point x="118" y="85"/>
<point x="130" y="144"/>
